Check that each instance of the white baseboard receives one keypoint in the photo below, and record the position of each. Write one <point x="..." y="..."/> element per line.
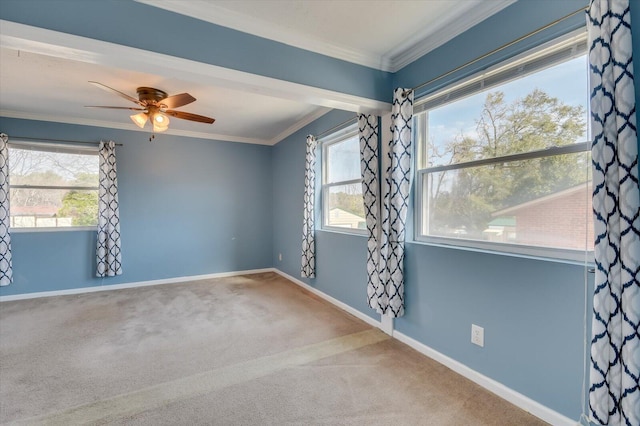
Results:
<point x="130" y="285"/>
<point x="339" y="304"/>
<point x="519" y="400"/>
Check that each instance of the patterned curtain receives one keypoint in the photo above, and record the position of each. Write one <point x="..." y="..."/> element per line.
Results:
<point x="108" y="256"/>
<point x="614" y="393"/>
<point x="369" y="166"/>
<point x="6" y="269"/>
<point x="308" y="231"/>
<point x="396" y="184"/>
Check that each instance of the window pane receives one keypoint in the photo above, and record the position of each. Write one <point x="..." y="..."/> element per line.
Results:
<point x="343" y="160"/>
<point x="345" y="208"/>
<point x="34" y="167"/>
<point x="538" y="111"/>
<point x="540" y="202"/>
<point x="31" y="207"/>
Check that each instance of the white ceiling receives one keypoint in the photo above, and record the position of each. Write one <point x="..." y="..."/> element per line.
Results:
<point x="240" y="116"/>
<point x="247" y="108"/>
<point x="384" y="34"/>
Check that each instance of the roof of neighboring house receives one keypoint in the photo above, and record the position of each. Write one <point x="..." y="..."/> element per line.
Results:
<point x="345" y="215"/>
<point x="34" y="210"/>
<point x="560" y="194"/>
<point x="503" y="221"/>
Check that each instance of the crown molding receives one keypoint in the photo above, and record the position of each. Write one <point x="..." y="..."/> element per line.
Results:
<point x="210" y="12"/>
<point x="127" y="126"/>
<point x="52" y="43"/>
<point x="411" y="49"/>
<point x="308" y="119"/>
<point x="450" y="26"/>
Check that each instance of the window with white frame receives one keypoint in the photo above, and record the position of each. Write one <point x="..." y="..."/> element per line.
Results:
<point x="342" y="202"/>
<point x="52" y="186"/>
<point x="503" y="160"/>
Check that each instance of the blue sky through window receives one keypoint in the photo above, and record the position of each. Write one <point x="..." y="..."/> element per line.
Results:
<point x="566" y="81"/>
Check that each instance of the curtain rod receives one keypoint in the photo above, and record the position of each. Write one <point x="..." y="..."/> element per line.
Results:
<point x="466" y="64"/>
<point x="56" y="140"/>
<point x="496" y="50"/>
<point x="337" y="126"/>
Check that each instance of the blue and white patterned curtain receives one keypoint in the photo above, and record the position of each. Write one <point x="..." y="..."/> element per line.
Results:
<point x="308" y="229"/>
<point x="369" y="166"/>
<point x="614" y="393"/>
<point x="396" y="185"/>
<point x="6" y="269"/>
<point x="108" y="255"/>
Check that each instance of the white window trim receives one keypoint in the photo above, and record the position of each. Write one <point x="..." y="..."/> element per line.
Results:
<point x="430" y="101"/>
<point x="576" y="257"/>
<point x="334" y="138"/>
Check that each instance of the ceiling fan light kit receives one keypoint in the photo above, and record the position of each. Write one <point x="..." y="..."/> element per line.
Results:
<point x="156" y="105"/>
<point x="140" y="119"/>
<point x="159" y="120"/>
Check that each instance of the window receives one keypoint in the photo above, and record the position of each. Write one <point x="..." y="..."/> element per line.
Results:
<point x="52" y="186"/>
<point x="503" y="159"/>
<point x="343" y="206"/>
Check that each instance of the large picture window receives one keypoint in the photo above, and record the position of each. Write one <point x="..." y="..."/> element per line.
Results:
<point x="503" y="158"/>
<point x="52" y="186"/>
<point x="342" y="202"/>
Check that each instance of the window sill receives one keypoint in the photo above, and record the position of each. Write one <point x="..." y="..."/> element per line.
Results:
<point x="59" y="229"/>
<point x="568" y="257"/>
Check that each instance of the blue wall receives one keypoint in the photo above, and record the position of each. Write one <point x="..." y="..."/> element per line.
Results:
<point x="187" y="206"/>
<point x="340" y="260"/>
<point x="190" y="38"/>
<point x="532" y="309"/>
<point x="513" y="22"/>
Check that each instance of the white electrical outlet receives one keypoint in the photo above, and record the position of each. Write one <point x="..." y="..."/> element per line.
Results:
<point x="477" y="335"/>
<point x="280" y="257"/>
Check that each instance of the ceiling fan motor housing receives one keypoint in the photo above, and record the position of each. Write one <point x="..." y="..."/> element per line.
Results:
<point x="150" y="95"/>
<point x="156" y="105"/>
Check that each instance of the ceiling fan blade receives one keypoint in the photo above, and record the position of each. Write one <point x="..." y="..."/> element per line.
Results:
<point x="176" y="101"/>
<point x="117" y="92"/>
<point x="189" y="116"/>
<point x="115" y="107"/>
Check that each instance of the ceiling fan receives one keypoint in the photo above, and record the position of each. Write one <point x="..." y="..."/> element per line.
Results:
<point x="155" y="105"/>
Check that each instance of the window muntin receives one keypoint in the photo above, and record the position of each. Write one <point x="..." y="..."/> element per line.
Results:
<point x="52" y="186"/>
<point x="343" y="206"/>
<point x="502" y="158"/>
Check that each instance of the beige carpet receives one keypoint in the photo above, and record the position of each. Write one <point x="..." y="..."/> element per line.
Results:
<point x="248" y="350"/>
